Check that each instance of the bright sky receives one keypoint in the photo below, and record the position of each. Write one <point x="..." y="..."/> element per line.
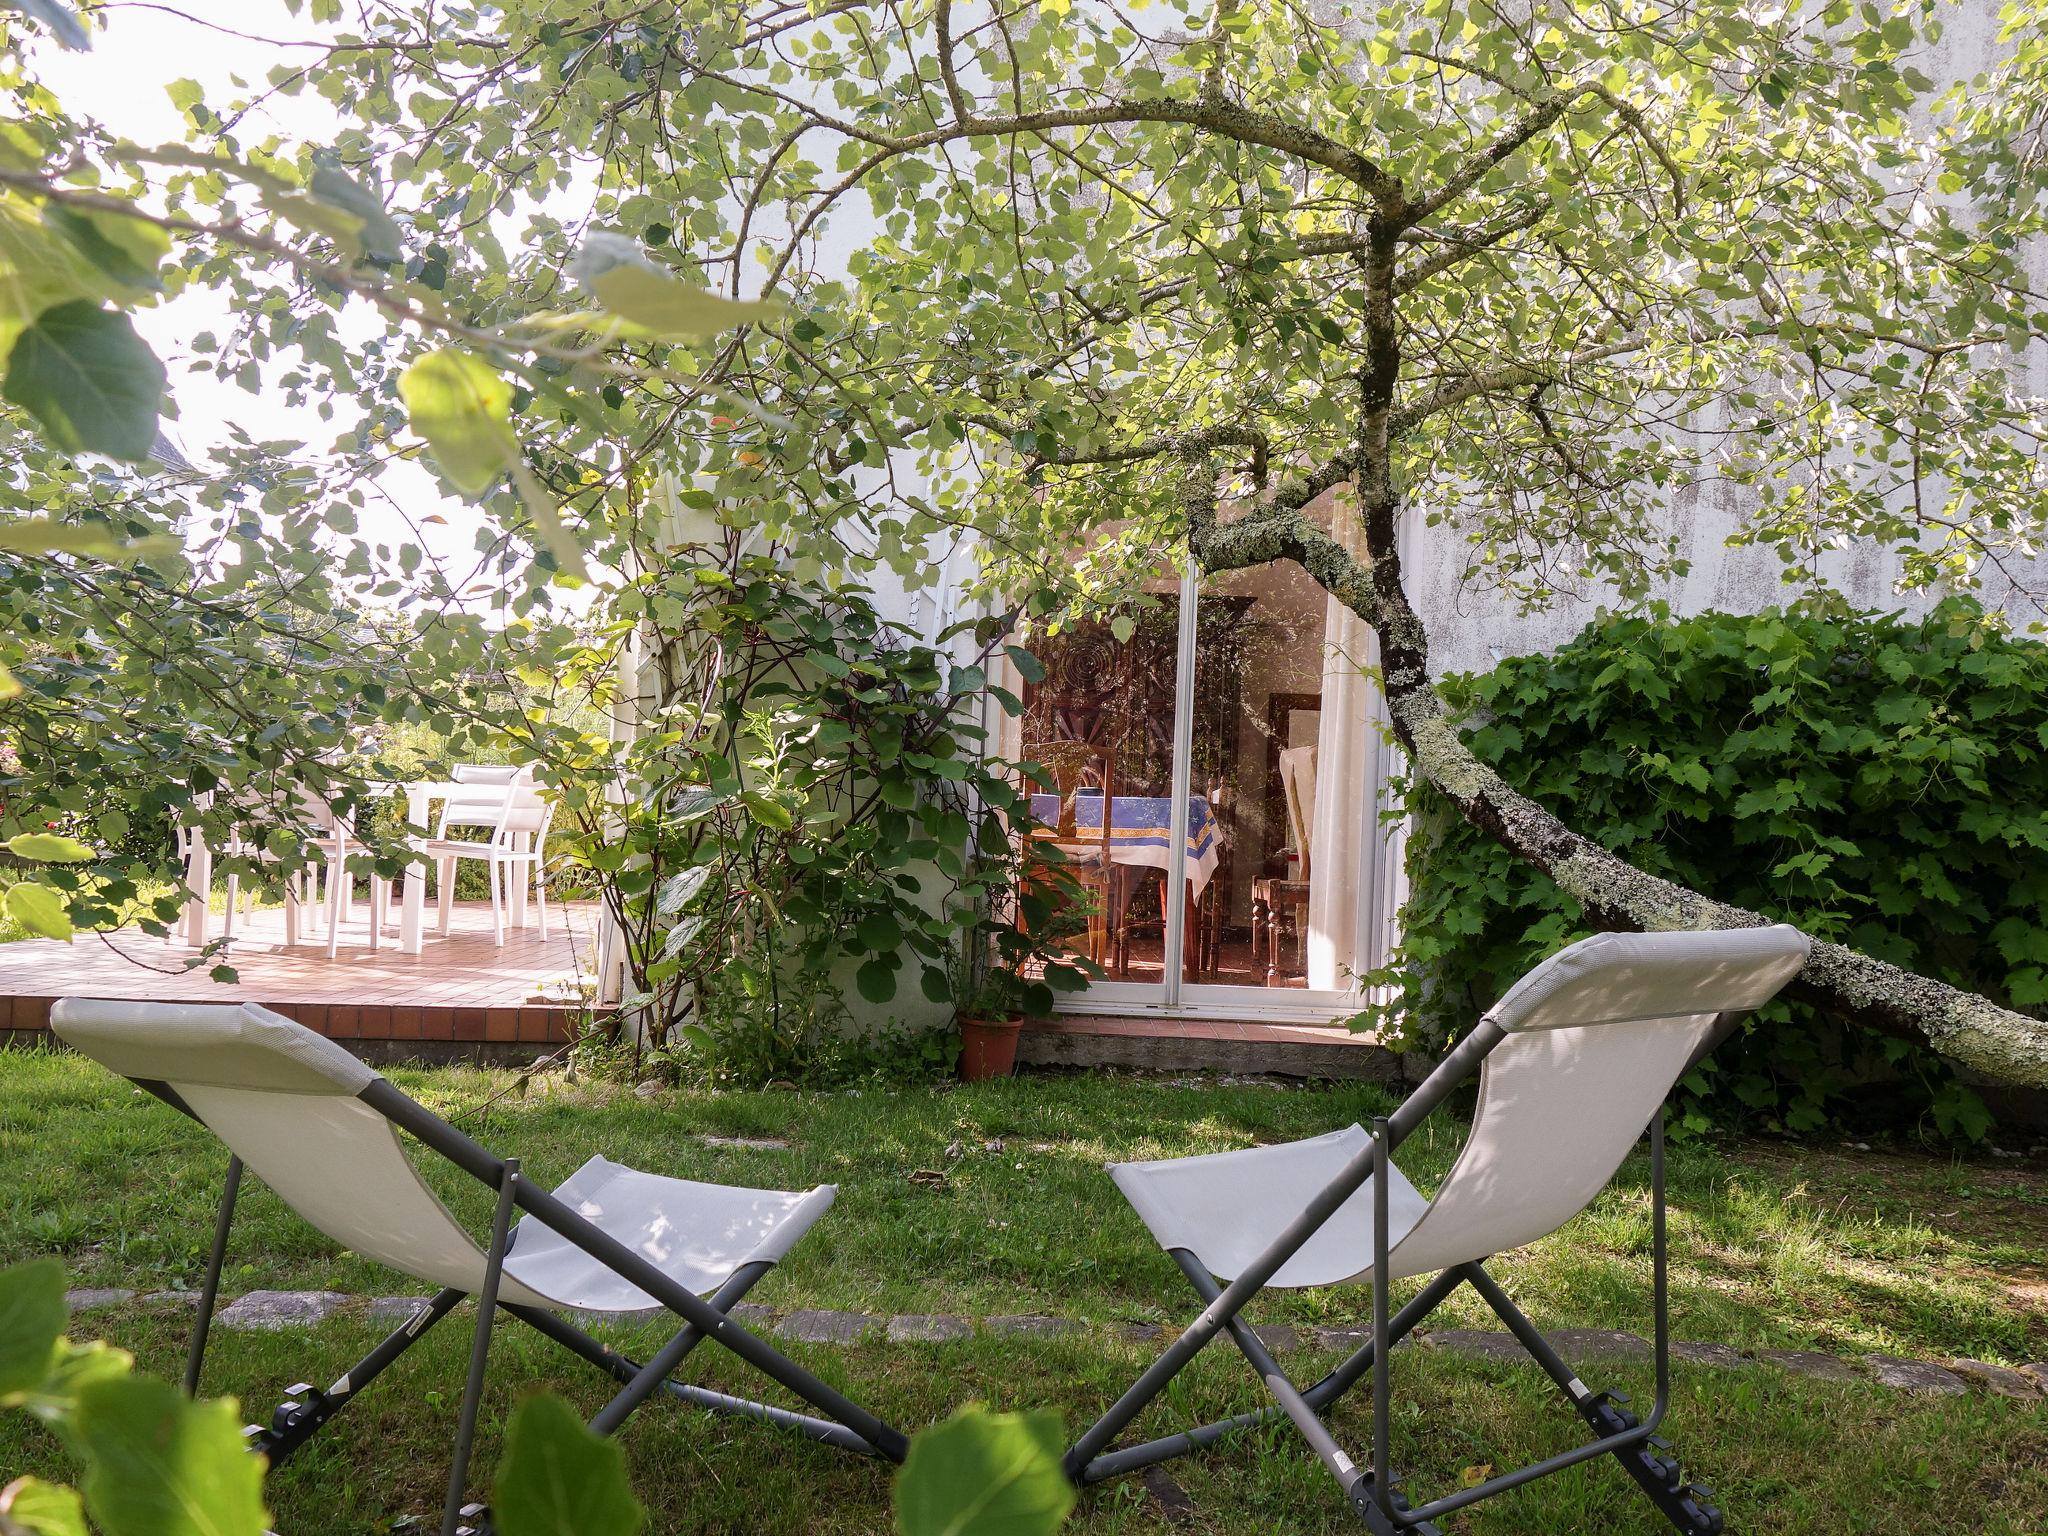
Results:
<point x="138" y="50"/>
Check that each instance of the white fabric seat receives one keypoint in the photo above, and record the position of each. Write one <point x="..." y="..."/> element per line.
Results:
<point x="285" y="1100"/>
<point x="1227" y="1208"/>
<point x="697" y="1234"/>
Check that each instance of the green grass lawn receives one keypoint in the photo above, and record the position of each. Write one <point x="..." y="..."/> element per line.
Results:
<point x="1773" y="1245"/>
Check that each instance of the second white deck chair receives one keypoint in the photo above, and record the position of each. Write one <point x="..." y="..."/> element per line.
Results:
<point x="1573" y="1062"/>
<point x="322" y="1130"/>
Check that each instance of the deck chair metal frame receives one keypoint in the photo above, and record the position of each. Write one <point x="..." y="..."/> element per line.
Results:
<point x="1722" y="976"/>
<point x="120" y="1030"/>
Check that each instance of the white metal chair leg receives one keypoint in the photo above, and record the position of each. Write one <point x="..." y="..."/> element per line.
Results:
<point x="497" y="871"/>
<point x="516" y="888"/>
<point x="337" y="883"/>
<point x="444" y="891"/>
<point x="540" y="900"/>
<point x="227" y="926"/>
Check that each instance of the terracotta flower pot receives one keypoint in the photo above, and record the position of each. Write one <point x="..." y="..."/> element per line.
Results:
<point x="988" y="1048"/>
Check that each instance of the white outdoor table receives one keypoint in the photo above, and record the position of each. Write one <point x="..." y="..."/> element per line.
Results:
<point x="418" y="794"/>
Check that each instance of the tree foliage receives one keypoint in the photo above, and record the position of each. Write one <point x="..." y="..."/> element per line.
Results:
<point x="1103" y="286"/>
<point x="806" y="809"/>
<point x="1876" y="781"/>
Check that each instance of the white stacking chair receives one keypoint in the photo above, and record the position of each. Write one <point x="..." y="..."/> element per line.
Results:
<point x="509" y="823"/>
<point x="479" y="805"/>
<point x="330" y="839"/>
<point x="322" y="1130"/>
<point x="1572" y="1063"/>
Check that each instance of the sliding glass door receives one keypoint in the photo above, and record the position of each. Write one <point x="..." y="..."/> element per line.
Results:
<point x="1235" y="724"/>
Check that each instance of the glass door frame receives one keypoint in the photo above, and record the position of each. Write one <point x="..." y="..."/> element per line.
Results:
<point x="1173" y="995"/>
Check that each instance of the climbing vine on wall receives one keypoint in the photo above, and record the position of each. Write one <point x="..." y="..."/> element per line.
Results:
<point x="1876" y="780"/>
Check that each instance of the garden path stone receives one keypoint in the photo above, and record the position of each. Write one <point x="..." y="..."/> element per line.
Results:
<point x="1348" y="1340"/>
<point x="928" y="1328"/>
<point x="1810" y="1362"/>
<point x="1998" y="1379"/>
<point x="1917" y="1376"/>
<point x="267" y="1310"/>
<point x="1476" y="1344"/>
<point x="1172" y="1499"/>
<point x="747" y="1143"/>
<point x="96" y="1296"/>
<point x="1035" y="1325"/>
<point x="1278" y="1338"/>
<point x="1597" y="1344"/>
<point x="811" y="1325"/>
<point x="1720" y="1357"/>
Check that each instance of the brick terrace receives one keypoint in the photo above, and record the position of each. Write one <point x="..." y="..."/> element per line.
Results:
<point x="461" y="989"/>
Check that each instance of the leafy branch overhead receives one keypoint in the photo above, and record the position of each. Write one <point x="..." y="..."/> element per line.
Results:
<point x="1083" y="289"/>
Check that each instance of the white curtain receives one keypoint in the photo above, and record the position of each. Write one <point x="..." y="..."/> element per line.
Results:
<point x="1348" y="781"/>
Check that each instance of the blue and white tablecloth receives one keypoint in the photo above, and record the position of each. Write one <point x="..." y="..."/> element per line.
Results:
<point x="1141" y="830"/>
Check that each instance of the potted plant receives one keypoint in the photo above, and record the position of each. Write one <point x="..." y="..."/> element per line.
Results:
<point x="1014" y="961"/>
<point x="991" y="1016"/>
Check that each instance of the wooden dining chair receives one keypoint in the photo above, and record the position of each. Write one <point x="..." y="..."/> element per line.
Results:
<point x="1068" y="767"/>
<point x="1274" y="899"/>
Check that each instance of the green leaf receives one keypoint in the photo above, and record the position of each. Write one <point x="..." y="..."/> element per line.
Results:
<point x="879" y="932"/>
<point x="460" y="405"/>
<point x="77" y="1366"/>
<point x="547" y="519"/>
<point x="49" y="848"/>
<point x="663" y="303"/>
<point x="125" y="250"/>
<point x="159" y="1464"/>
<point x="36" y="1508"/>
<point x="556" y="1478"/>
<point x="377" y="237"/>
<point x="32" y="1316"/>
<point x="92" y="382"/>
<point x="876" y="981"/>
<point x="985" y="1474"/>
<point x="46" y="536"/>
<point x="1028" y="666"/>
<point x="39" y="909"/>
<point x="771" y="814"/>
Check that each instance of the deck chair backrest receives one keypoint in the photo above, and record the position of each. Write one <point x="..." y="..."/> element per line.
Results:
<point x="1596" y="1037"/>
<point x="284" y="1099"/>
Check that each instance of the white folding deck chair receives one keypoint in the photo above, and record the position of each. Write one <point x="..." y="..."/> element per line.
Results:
<point x="1572" y="1063"/>
<point x="321" y="1129"/>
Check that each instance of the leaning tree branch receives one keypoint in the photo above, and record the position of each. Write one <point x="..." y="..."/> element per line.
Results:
<point x="1614" y="893"/>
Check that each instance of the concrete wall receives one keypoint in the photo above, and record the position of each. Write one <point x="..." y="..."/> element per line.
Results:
<point x="1472" y="626"/>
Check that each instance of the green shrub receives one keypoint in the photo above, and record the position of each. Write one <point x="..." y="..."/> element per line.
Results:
<point x="1877" y="781"/>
